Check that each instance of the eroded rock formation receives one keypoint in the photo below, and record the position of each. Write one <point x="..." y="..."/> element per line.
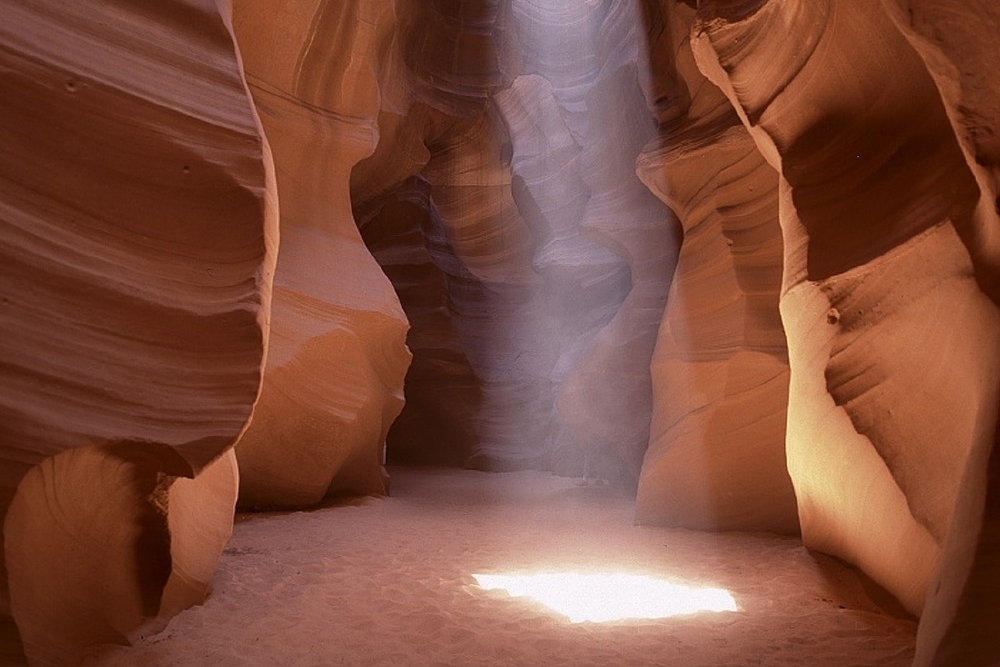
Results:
<point x="554" y="256"/>
<point x="137" y="232"/>
<point x="716" y="457"/>
<point x="336" y="359"/>
<point x="954" y="40"/>
<point x="888" y="286"/>
<point x="527" y="174"/>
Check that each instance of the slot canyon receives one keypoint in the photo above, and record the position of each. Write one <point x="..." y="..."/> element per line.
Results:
<point x="724" y="273"/>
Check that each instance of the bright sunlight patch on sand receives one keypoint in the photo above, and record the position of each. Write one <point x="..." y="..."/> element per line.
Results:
<point x="600" y="598"/>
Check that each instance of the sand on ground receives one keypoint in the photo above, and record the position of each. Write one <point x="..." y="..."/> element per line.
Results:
<point x="389" y="582"/>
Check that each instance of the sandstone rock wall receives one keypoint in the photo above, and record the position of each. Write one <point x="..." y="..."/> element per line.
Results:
<point x="888" y="296"/>
<point x="137" y="231"/>
<point x="555" y="257"/>
<point x="336" y="359"/>
<point x="955" y="42"/>
<point x="525" y="173"/>
<point x="716" y="457"/>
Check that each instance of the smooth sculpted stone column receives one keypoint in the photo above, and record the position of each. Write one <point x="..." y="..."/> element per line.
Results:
<point x="337" y="356"/>
<point x="893" y="343"/>
<point x="716" y="457"/>
<point x="137" y="230"/>
<point x="438" y="125"/>
<point x="493" y="290"/>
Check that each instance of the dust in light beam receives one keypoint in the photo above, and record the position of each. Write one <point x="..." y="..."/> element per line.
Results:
<point x="600" y="598"/>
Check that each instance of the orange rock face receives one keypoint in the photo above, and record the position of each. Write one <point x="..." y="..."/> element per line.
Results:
<point x="954" y="40"/>
<point x="888" y="286"/>
<point x="138" y="229"/>
<point x="555" y="258"/>
<point x="716" y="457"/>
<point x="336" y="359"/>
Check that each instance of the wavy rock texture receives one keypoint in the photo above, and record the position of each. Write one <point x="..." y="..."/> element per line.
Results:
<point x="445" y="127"/>
<point x="493" y="290"/>
<point x="554" y="256"/>
<point x="957" y="44"/>
<point x="136" y="229"/>
<point x="716" y="457"/>
<point x="523" y="172"/>
<point x="91" y="568"/>
<point x="337" y="357"/>
<point x="439" y="422"/>
<point x="603" y="244"/>
<point x="606" y="396"/>
<point x="884" y="290"/>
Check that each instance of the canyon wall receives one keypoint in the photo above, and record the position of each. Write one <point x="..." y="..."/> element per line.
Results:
<point x="550" y="258"/>
<point x="889" y="292"/>
<point x="955" y="41"/>
<point x="716" y="456"/>
<point x="137" y="238"/>
<point x="336" y="360"/>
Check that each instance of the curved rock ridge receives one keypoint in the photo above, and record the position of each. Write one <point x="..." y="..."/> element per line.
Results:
<point x="493" y="289"/>
<point x="337" y="356"/>
<point x="472" y="233"/>
<point x="603" y="243"/>
<point x="137" y="231"/>
<point x="882" y="292"/>
<point x="606" y="397"/>
<point x="956" y="42"/>
<point x="743" y="256"/>
<point x="538" y="224"/>
<point x="458" y="53"/>
<point x="90" y="568"/>
<point x="716" y="457"/>
<point x="439" y="421"/>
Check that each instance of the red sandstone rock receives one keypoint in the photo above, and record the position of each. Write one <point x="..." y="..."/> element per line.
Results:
<point x="494" y="176"/>
<point x="336" y="359"/>
<point x="956" y="41"/>
<point x="439" y="421"/>
<point x="137" y="231"/>
<point x="886" y="300"/>
<point x="716" y="457"/>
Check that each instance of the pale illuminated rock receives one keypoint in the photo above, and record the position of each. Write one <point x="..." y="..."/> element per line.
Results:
<point x="956" y="42"/>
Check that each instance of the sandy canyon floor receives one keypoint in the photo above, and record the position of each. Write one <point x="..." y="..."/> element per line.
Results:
<point x="390" y="582"/>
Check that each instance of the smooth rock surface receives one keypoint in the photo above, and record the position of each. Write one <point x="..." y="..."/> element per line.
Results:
<point x="716" y="457"/>
<point x="137" y="232"/>
<point x="337" y="357"/>
<point x="525" y="176"/>
<point x="887" y="287"/>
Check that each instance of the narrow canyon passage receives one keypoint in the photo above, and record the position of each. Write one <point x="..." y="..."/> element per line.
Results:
<point x="390" y="582"/>
<point x="739" y="257"/>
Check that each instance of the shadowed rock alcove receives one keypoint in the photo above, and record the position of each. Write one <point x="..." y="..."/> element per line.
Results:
<point x="736" y="261"/>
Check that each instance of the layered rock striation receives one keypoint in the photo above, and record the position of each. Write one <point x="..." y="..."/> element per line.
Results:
<point x="137" y="238"/>
<point x="888" y="286"/>
<point x="954" y="40"/>
<point x="336" y="360"/>
<point x="716" y="456"/>
<point x="555" y="257"/>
